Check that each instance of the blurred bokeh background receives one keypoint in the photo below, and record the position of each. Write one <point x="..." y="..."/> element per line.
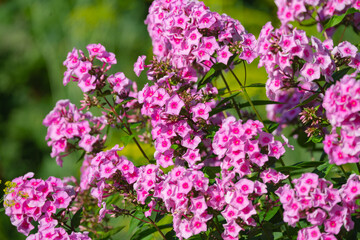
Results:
<point x="35" y="37"/>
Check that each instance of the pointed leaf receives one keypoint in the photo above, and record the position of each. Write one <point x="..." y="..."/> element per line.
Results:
<point x="339" y="74"/>
<point x="141" y="233"/>
<point x="306" y="101"/>
<point x="258" y="85"/>
<point x="259" y="103"/>
<point x="75" y="221"/>
<point x="335" y="20"/>
<point x="271" y="213"/>
<point x="105" y="235"/>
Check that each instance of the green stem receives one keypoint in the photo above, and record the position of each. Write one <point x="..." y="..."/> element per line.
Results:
<point x="342" y="34"/>
<point x="289" y="178"/>
<point x="233" y="100"/>
<point x="157" y="228"/>
<point x="142" y="220"/>
<point x="128" y="129"/>
<point x="216" y="225"/>
<point x="248" y="98"/>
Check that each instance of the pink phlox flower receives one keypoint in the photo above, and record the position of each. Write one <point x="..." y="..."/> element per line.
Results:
<point x="189" y="142"/>
<point x="87" y="82"/>
<point x="184" y="185"/>
<point x="162" y="144"/>
<point x="271" y="175"/>
<point x="201" y="110"/>
<point x="276" y="149"/>
<point x="164" y="159"/>
<point x="83" y="68"/>
<point x="198" y="205"/>
<point x="72" y="59"/>
<point x="310" y="71"/>
<point x="232" y="229"/>
<point x="61" y="199"/>
<point x="174" y="105"/>
<point x="119" y="83"/>
<point x="345" y="49"/>
<point x="95" y="49"/>
<point x="139" y="65"/>
<point x="198" y="225"/>
<point x="230" y="213"/>
<point x="237" y="199"/>
<point x="160" y="97"/>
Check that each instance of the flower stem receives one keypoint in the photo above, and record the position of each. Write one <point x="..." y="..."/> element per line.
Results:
<point x="128" y="129"/>
<point x="157" y="228"/>
<point x="248" y="98"/>
<point x="233" y="100"/>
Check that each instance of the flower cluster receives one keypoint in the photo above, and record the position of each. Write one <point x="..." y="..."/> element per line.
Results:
<point x="31" y="199"/>
<point x="81" y="69"/>
<point x="191" y="36"/>
<point x="68" y="128"/>
<point x="92" y="77"/>
<point x="48" y="230"/>
<point x="179" y="114"/>
<point x="244" y="145"/>
<point x="315" y="200"/>
<point x="188" y="196"/>
<point x="300" y="10"/>
<point x="342" y="105"/>
<point x="108" y="173"/>
<point x="293" y="63"/>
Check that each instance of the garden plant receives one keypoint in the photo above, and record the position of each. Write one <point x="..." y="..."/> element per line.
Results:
<point x="217" y="170"/>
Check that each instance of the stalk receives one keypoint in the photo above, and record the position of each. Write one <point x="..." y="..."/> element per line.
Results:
<point x="128" y="129"/>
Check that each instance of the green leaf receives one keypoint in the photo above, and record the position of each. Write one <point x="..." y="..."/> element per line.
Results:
<point x="170" y="235"/>
<point x="219" y="66"/>
<point x="325" y="168"/>
<point x="126" y="100"/>
<point x="75" y="221"/>
<point x="335" y="20"/>
<point x="227" y="99"/>
<point x="209" y="76"/>
<point x="271" y="213"/>
<point x="105" y="235"/>
<point x="316" y="139"/>
<point x="141" y="233"/>
<point x="126" y="139"/>
<point x="135" y="222"/>
<point x="339" y="74"/>
<point x="104" y="94"/>
<point x="211" y="171"/>
<point x="298" y="166"/>
<point x="273" y="127"/>
<point x="196" y="237"/>
<point x="220" y="109"/>
<point x="135" y="125"/>
<point x="267" y="231"/>
<point x="309" y="164"/>
<point x="259" y="102"/>
<point x="257" y="85"/>
<point x="112" y="199"/>
<point x="306" y="101"/>
<point x="287" y="169"/>
<point x="214" y="72"/>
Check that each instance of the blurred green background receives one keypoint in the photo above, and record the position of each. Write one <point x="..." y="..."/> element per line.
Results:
<point x="35" y="37"/>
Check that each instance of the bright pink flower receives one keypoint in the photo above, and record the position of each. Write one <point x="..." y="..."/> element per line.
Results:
<point x="139" y="65"/>
<point x="174" y="105"/>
